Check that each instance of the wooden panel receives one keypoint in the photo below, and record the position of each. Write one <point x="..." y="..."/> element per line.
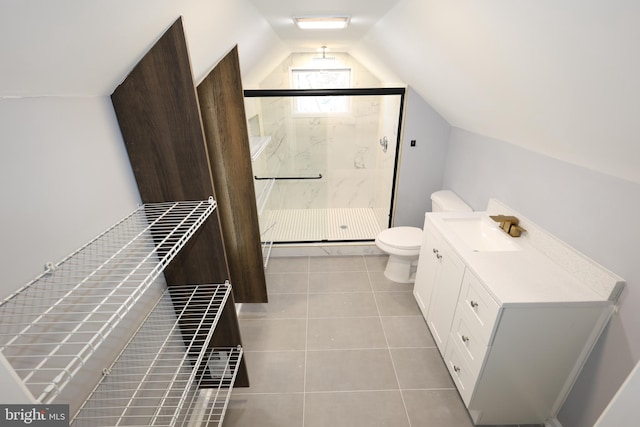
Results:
<point x="157" y="109"/>
<point x="222" y="107"/>
<point x="158" y="113"/>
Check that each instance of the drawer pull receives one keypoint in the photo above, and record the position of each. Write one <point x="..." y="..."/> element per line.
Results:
<point x="438" y="256"/>
<point x="473" y="304"/>
<point x="464" y="338"/>
<point x="456" y="368"/>
<point x="435" y="251"/>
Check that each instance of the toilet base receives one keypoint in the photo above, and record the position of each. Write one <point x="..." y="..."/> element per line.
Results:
<point x="401" y="269"/>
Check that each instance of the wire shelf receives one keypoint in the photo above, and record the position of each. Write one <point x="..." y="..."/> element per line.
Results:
<point x="167" y="375"/>
<point x="52" y="325"/>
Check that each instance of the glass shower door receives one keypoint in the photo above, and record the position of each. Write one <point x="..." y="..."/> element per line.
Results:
<point x="330" y="174"/>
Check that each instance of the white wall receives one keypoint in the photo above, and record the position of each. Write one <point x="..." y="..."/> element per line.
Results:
<point x="422" y="166"/>
<point x="555" y="77"/>
<point x="76" y="48"/>
<point x="593" y="212"/>
<point x="64" y="178"/>
<point x="621" y="410"/>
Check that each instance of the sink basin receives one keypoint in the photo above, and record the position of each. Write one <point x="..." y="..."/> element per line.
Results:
<point x="481" y="234"/>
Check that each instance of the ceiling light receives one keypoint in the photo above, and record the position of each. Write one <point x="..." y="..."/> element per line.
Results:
<point x="322" y="22"/>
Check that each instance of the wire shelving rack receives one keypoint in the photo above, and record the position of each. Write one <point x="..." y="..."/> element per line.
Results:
<point x="51" y="327"/>
<point x="167" y="375"/>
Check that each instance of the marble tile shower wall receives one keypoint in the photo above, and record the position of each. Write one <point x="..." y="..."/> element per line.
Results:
<point x="389" y="109"/>
<point x="344" y="148"/>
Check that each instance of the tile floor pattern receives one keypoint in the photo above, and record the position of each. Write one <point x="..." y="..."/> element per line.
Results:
<point x="339" y="345"/>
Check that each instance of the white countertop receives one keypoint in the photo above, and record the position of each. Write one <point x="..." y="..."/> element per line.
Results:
<point x="517" y="277"/>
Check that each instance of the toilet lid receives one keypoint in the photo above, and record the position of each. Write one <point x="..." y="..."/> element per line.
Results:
<point x="402" y="237"/>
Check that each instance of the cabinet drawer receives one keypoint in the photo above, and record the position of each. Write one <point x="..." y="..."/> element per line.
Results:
<point x="462" y="375"/>
<point x="472" y="347"/>
<point x="480" y="308"/>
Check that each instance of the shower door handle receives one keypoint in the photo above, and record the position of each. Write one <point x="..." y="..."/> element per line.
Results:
<point x="278" y="178"/>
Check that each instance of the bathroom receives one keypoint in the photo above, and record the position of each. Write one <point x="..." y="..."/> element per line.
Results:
<point x="73" y="165"/>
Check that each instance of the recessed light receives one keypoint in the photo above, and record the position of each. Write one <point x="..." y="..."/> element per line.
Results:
<point x="321" y="22"/>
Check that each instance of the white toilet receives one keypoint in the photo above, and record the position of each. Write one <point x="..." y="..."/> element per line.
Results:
<point x="403" y="243"/>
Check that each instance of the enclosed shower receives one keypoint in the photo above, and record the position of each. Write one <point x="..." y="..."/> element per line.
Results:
<point x="324" y="161"/>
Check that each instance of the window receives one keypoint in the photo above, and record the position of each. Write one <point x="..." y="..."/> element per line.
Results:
<point x="321" y="79"/>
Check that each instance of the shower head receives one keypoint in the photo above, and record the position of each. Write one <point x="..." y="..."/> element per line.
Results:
<point x="324" y="54"/>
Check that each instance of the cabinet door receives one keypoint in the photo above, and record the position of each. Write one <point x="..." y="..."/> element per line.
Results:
<point x="427" y="269"/>
<point x="444" y="297"/>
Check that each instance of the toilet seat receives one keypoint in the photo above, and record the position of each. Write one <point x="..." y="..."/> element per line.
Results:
<point x="403" y="246"/>
<point x="400" y="240"/>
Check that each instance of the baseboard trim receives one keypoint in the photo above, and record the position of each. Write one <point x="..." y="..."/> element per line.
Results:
<point x="552" y="422"/>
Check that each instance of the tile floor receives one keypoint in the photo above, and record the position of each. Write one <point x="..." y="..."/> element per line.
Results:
<point x="340" y="345"/>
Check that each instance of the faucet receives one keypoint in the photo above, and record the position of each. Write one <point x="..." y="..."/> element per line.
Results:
<point x="509" y="224"/>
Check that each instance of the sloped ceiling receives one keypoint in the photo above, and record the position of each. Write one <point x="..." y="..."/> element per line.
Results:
<point x="556" y="77"/>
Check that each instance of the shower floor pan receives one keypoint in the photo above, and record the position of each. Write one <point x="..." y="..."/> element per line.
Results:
<point x="310" y="225"/>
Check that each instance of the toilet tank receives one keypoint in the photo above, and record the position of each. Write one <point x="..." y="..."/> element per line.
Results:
<point x="448" y="201"/>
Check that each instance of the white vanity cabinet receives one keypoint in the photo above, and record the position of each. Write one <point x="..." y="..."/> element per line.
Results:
<point x="514" y="364"/>
<point x="438" y="284"/>
<point x="427" y="267"/>
<point x="514" y="328"/>
<point x="438" y="281"/>
<point x="471" y="330"/>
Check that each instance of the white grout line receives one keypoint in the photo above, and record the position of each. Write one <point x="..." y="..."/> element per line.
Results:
<point x="259" y="393"/>
<point x="306" y="350"/>
<point x="395" y="371"/>
<point x="306" y="344"/>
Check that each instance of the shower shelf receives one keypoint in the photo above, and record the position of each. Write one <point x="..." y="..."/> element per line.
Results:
<point x="53" y="326"/>
<point x="257" y="145"/>
<point x="263" y="192"/>
<point x="263" y="189"/>
<point x="168" y="375"/>
<point x="267" y="246"/>
<point x="262" y="196"/>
